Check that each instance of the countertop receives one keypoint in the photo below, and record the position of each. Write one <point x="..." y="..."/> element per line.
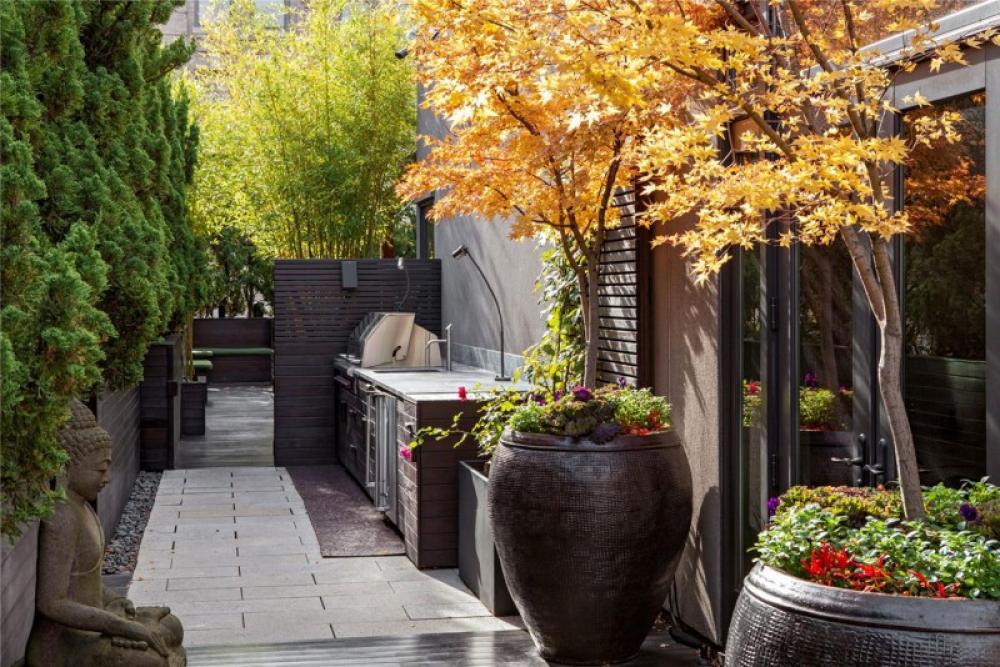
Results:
<point x="432" y="385"/>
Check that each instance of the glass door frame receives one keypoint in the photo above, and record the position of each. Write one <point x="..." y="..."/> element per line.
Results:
<point x="781" y="290"/>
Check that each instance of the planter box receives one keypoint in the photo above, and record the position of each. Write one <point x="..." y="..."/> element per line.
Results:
<point x="478" y="564"/>
<point x="194" y="396"/>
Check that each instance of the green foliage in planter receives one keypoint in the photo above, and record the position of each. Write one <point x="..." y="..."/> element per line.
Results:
<point x="817" y="408"/>
<point x="817" y="535"/>
<point x="855" y="504"/>
<point x="598" y="416"/>
<point x="98" y="254"/>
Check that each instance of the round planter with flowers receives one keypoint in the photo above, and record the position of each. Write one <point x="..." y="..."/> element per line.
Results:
<point x="590" y="504"/>
<point x="842" y="579"/>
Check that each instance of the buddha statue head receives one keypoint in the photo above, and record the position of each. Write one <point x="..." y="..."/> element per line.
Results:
<point x="89" y="449"/>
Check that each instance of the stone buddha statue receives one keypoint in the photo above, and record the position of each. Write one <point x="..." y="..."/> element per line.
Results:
<point x="77" y="622"/>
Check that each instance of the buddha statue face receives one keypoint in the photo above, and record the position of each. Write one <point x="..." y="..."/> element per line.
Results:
<point x="89" y="449"/>
<point x="90" y="473"/>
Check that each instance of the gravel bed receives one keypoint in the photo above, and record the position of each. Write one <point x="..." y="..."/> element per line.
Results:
<point x="123" y="549"/>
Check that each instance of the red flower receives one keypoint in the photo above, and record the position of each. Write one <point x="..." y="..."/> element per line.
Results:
<point x="463" y="394"/>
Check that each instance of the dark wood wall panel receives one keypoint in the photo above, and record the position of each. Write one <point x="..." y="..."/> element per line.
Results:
<point x="17" y="594"/>
<point x="313" y="317"/>
<point x="232" y="332"/>
<point x="623" y="295"/>
<point x="118" y="413"/>
<point x="159" y="405"/>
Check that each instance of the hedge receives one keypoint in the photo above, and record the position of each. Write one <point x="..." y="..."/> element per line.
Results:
<point x="98" y="254"/>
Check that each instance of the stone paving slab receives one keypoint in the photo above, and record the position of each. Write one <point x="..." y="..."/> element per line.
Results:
<point x="232" y="552"/>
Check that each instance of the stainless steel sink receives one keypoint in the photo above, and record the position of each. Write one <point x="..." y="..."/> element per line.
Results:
<point x="407" y="369"/>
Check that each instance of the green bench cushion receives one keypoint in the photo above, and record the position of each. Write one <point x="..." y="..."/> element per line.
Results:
<point x="240" y="351"/>
<point x="202" y="365"/>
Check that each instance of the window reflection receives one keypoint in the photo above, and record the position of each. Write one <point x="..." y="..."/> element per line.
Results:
<point x="753" y="443"/>
<point x="825" y="391"/>
<point x="945" y="298"/>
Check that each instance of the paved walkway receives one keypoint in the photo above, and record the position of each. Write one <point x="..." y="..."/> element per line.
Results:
<point x="232" y="552"/>
<point x="239" y="429"/>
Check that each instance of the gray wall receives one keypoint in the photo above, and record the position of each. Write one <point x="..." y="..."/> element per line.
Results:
<point x="685" y="352"/>
<point x="511" y="267"/>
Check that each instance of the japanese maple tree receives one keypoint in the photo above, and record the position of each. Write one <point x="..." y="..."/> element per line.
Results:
<point x="530" y="140"/>
<point x="818" y="150"/>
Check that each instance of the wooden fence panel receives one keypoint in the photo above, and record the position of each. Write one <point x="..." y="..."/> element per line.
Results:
<point x="118" y="413"/>
<point x="232" y="332"/>
<point x="623" y="298"/>
<point x="313" y="316"/>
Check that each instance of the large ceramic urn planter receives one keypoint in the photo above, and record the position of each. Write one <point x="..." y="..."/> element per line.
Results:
<point x="784" y="620"/>
<point x="588" y="536"/>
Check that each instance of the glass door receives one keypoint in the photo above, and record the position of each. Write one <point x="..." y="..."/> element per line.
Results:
<point x="943" y="269"/>
<point x="830" y="392"/>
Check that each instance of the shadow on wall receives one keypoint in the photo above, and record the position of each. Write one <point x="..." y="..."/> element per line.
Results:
<point x="686" y="358"/>
<point x="512" y="267"/>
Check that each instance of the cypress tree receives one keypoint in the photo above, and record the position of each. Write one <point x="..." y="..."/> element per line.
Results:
<point x="51" y="330"/>
<point x="98" y="256"/>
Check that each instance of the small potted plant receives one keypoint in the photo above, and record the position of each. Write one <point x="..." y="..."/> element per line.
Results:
<point x="841" y="573"/>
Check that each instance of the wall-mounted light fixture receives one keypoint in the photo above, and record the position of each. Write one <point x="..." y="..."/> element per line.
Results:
<point x="460" y="252"/>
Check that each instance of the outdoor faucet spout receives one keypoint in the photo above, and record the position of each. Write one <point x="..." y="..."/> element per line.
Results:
<point x="447" y="343"/>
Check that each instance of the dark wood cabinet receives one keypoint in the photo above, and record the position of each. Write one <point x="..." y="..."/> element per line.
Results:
<point x="350" y="431"/>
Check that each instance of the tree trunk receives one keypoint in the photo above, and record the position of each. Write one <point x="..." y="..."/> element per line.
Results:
<point x="890" y="367"/>
<point x="592" y="323"/>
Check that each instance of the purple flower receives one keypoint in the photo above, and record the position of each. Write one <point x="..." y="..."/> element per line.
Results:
<point x="604" y="432"/>
<point x="968" y="512"/>
<point x="557" y="394"/>
<point x="622" y="382"/>
<point x="810" y="379"/>
<point x="538" y="398"/>
<point x="406" y="453"/>
<point x="772" y="505"/>
<point x="581" y="393"/>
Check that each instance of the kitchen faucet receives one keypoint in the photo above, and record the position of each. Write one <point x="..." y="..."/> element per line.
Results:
<point x="447" y="342"/>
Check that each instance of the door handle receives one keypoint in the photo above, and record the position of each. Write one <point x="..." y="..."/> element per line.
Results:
<point x="875" y="469"/>
<point x="851" y="461"/>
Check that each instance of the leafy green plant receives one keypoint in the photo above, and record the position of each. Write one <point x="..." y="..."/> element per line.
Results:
<point x="597" y="416"/>
<point x="817" y="409"/>
<point x="239" y="272"/>
<point x="856" y="538"/>
<point x="304" y="131"/>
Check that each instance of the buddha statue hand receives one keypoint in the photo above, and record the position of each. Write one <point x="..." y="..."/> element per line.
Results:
<point x="122" y="607"/>
<point x="133" y="631"/>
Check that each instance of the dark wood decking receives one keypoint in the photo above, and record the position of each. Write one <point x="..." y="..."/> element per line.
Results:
<point x="239" y="429"/>
<point x="469" y="649"/>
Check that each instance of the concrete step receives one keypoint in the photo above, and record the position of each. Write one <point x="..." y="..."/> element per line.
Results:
<point x="469" y="649"/>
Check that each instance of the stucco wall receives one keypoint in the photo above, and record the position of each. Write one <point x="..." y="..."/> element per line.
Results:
<point x="511" y="267"/>
<point x="685" y="352"/>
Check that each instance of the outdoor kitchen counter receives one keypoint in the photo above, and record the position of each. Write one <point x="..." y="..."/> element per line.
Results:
<point x="423" y="386"/>
<point x="427" y="477"/>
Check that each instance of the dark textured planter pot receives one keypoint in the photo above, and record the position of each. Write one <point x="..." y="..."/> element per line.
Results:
<point x="783" y="620"/>
<point x="822" y="446"/>
<point x="478" y="563"/>
<point x="589" y="536"/>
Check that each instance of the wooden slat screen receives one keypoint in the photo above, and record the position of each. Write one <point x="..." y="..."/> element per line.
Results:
<point x="313" y="317"/>
<point x="622" y="298"/>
